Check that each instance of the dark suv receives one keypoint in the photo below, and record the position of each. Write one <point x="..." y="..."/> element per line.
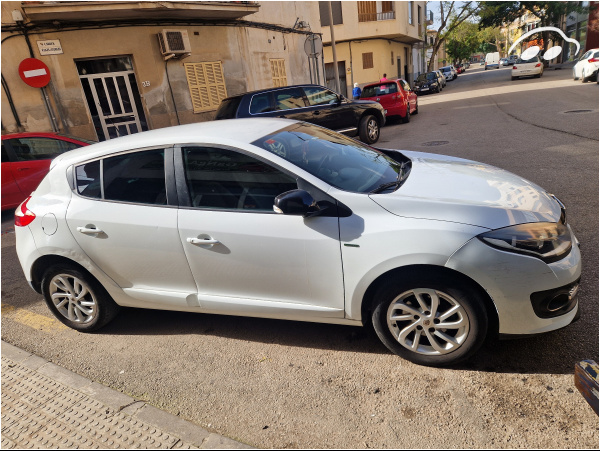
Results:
<point x="309" y="103"/>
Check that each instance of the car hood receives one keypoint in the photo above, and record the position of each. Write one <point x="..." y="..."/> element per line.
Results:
<point x="463" y="191"/>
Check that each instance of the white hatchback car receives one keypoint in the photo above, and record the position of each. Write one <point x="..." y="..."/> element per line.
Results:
<point x="586" y="66"/>
<point x="283" y="219"/>
<point x="527" y="68"/>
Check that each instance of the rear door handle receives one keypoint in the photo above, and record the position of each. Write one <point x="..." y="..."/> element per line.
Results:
<point x="316" y="113"/>
<point x="202" y="241"/>
<point x="88" y="231"/>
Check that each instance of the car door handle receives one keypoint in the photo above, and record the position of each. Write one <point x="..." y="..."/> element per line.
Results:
<point x="316" y="113"/>
<point x="88" y="231"/>
<point x="23" y="169"/>
<point x="202" y="241"/>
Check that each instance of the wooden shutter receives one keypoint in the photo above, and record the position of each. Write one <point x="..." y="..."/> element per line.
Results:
<point x="278" y="72"/>
<point x="367" y="60"/>
<point x="207" y="85"/>
<point x="367" y="11"/>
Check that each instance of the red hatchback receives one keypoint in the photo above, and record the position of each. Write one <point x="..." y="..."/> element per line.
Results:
<point x="26" y="159"/>
<point x="395" y="96"/>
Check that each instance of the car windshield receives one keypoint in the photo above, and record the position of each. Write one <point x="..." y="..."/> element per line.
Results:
<point x="445" y="69"/>
<point x="334" y="158"/>
<point x="379" y="90"/>
<point x="427" y="76"/>
<point x="535" y="59"/>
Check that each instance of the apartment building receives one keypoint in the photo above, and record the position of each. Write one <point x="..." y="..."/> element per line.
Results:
<point x="373" y="38"/>
<point x="122" y="67"/>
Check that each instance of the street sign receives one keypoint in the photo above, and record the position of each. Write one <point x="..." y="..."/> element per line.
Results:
<point x="34" y="72"/>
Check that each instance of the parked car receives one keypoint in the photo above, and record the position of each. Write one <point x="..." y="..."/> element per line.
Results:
<point x="429" y="82"/>
<point x="442" y="78"/>
<point x="526" y="68"/>
<point x="396" y="96"/>
<point x="504" y="62"/>
<point x="284" y="219"/>
<point x="26" y="158"/>
<point x="310" y="103"/>
<point x="587" y="65"/>
<point x="512" y="59"/>
<point x="449" y="72"/>
<point x="492" y="60"/>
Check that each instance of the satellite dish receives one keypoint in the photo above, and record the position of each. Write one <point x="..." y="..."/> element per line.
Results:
<point x="313" y="46"/>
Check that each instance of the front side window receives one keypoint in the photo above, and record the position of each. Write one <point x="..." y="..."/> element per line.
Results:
<point x="289" y="98"/>
<point x="27" y="149"/>
<point x="320" y="96"/>
<point x="137" y="177"/>
<point x="221" y="179"/>
<point x="334" y="158"/>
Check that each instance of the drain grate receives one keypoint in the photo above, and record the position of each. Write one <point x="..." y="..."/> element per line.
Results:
<point x="578" y="111"/>
<point x="435" y="143"/>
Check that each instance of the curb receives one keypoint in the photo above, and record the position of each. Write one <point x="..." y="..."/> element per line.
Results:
<point x="130" y="409"/>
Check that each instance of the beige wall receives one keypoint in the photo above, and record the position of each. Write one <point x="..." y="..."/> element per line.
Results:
<point x="244" y="53"/>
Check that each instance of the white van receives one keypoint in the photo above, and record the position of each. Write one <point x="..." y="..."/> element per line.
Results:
<point x="492" y="60"/>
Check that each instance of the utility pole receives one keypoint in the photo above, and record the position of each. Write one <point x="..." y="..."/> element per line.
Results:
<point x="335" y="62"/>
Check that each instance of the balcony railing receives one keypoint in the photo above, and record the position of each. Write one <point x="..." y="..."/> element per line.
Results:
<point x="373" y="17"/>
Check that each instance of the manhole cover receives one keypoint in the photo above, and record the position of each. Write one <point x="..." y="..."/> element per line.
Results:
<point x="435" y="143"/>
<point x="578" y="111"/>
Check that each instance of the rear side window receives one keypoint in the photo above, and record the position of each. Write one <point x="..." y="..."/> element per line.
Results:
<point x="137" y="177"/>
<point x="289" y="98"/>
<point x="28" y="149"/>
<point x="379" y="90"/>
<point x="228" y="108"/>
<point x="320" y="96"/>
<point x="261" y="103"/>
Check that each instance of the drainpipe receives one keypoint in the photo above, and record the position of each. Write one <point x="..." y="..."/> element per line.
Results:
<point x="351" y="68"/>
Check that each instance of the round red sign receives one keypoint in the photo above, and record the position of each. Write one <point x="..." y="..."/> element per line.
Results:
<point x="34" y="72"/>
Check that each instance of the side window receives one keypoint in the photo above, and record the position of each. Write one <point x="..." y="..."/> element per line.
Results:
<point x="136" y="177"/>
<point x="220" y="179"/>
<point x="261" y="103"/>
<point x="87" y="178"/>
<point x="289" y="98"/>
<point x="27" y="149"/>
<point x="5" y="158"/>
<point x="320" y="96"/>
<point x="405" y="85"/>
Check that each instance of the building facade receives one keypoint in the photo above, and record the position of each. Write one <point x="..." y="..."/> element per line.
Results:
<point x="122" y="67"/>
<point x="373" y="38"/>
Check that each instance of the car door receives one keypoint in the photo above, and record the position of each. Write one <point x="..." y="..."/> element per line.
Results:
<point x="124" y="217"/>
<point x="11" y="194"/>
<point x="330" y="110"/>
<point x="244" y="256"/>
<point x="409" y="94"/>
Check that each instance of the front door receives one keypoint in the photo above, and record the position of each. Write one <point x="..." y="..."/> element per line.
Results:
<point x="244" y="256"/>
<point x="112" y="96"/>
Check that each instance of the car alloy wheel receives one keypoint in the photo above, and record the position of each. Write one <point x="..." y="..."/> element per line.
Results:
<point x="72" y="298"/>
<point x="369" y="129"/>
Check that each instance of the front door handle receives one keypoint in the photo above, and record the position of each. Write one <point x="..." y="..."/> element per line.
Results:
<point x="316" y="113"/>
<point x="202" y="241"/>
<point x="88" y="231"/>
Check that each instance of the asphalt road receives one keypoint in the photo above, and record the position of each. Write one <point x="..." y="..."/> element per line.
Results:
<point x="288" y="384"/>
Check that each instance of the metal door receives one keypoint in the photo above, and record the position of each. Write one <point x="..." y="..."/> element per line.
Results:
<point x="113" y="97"/>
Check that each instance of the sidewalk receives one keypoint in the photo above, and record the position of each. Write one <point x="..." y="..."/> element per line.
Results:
<point x="46" y="406"/>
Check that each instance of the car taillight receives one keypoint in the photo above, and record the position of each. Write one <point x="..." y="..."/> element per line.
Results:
<point x="514" y="67"/>
<point x="23" y="216"/>
<point x="593" y="60"/>
<point x="538" y="64"/>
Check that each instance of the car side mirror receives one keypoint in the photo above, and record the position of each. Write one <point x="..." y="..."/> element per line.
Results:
<point x="296" y="202"/>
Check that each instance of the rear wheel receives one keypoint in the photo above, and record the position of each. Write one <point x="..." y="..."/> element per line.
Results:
<point x="406" y="118"/>
<point x="430" y="320"/>
<point x="77" y="299"/>
<point x="368" y="129"/>
<point x="416" y="107"/>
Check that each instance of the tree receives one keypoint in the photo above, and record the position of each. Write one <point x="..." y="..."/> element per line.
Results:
<point x="468" y="38"/>
<point x="450" y="19"/>
<point x="550" y="14"/>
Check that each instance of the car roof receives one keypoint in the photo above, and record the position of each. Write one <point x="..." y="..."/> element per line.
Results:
<point x="378" y="83"/>
<point x="275" y="89"/>
<point x="233" y="132"/>
<point x="51" y="135"/>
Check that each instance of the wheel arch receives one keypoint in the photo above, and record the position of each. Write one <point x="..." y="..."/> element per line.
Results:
<point x="373" y="112"/>
<point x="46" y="261"/>
<point x="368" y="302"/>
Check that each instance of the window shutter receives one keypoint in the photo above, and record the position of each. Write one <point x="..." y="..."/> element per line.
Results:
<point x="278" y="72"/>
<point x="367" y="60"/>
<point x="207" y="85"/>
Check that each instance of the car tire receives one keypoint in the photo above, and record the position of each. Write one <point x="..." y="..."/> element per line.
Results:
<point x="413" y="309"/>
<point x="406" y="118"/>
<point x="369" y="129"/>
<point x="513" y="78"/>
<point x="416" y="107"/>
<point x="77" y="299"/>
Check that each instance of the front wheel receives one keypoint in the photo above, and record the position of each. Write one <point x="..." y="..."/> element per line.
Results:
<point x="77" y="299"/>
<point x="369" y="129"/>
<point x="429" y="320"/>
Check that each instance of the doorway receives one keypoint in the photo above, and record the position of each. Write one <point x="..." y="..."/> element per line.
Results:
<point x="112" y="96"/>
<point x="330" y="77"/>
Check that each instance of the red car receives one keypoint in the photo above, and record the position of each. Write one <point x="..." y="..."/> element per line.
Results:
<point x="396" y="96"/>
<point x="26" y="159"/>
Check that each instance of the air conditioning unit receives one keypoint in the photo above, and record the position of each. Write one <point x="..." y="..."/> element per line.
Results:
<point x="174" y="43"/>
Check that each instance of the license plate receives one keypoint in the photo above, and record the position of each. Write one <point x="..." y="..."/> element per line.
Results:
<point x="424" y="89"/>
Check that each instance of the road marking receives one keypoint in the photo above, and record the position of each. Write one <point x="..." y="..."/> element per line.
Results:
<point x="30" y="319"/>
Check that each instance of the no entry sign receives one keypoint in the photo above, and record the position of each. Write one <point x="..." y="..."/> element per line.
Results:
<point x="34" y="72"/>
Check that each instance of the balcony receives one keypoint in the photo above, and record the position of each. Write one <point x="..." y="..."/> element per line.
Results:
<point x="102" y="11"/>
<point x="373" y="17"/>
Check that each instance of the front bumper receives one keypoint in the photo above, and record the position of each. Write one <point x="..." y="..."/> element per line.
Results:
<point x="511" y="280"/>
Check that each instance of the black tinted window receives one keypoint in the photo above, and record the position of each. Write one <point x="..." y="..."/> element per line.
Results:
<point x="379" y="90"/>
<point x="27" y="149"/>
<point x="224" y="179"/>
<point x="136" y="177"/>
<point x="228" y="108"/>
<point x="320" y="96"/>
<point x="261" y="103"/>
<point x="289" y="98"/>
<point x="88" y="180"/>
<point x="5" y="158"/>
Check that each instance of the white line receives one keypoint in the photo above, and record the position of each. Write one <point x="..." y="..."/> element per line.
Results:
<point x="34" y="73"/>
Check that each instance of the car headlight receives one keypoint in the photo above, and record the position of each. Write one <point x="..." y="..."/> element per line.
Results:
<point x="547" y="241"/>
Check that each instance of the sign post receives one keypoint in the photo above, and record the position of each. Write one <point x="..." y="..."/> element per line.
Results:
<point x="36" y="74"/>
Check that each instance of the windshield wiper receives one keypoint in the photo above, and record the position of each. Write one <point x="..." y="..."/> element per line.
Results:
<point x="402" y="176"/>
